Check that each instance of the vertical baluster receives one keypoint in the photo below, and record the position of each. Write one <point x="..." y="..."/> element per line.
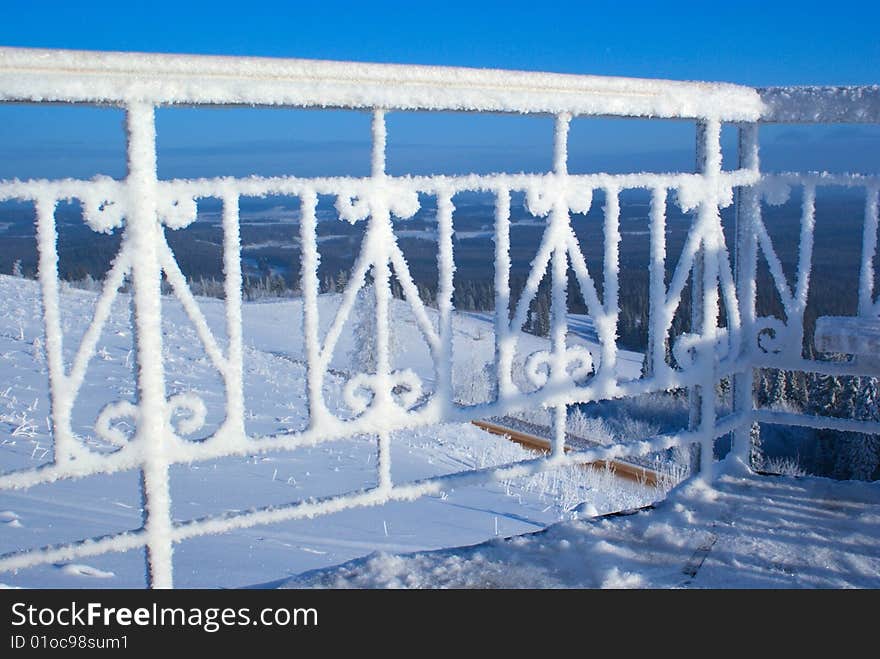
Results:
<point x="705" y="280"/>
<point x="232" y="290"/>
<point x="748" y="209"/>
<point x="144" y="233"/>
<point x="867" y="305"/>
<point x="382" y="287"/>
<point x="655" y="360"/>
<point x="558" y="331"/>
<point x="559" y="283"/>
<point x="708" y="347"/>
<point x="694" y="404"/>
<point x="795" y="320"/>
<point x="310" y="288"/>
<point x="504" y="345"/>
<point x="381" y="221"/>
<point x="59" y="390"/>
<point x="446" y="270"/>
<point x="611" y="291"/>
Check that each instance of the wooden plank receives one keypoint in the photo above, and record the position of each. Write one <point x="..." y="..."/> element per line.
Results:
<point x="852" y="335"/>
<point x="622" y="469"/>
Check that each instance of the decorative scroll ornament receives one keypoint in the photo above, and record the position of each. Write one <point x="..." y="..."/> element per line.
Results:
<point x="107" y="423"/>
<point x="541" y="197"/>
<point x="771" y="335"/>
<point x="111" y="414"/>
<point x="403" y="202"/>
<point x="400" y="200"/>
<point x="694" y="191"/>
<point x="687" y="346"/>
<point x="361" y="390"/>
<point x="186" y="402"/>
<point x="352" y="207"/>
<point x="578" y="364"/>
<point x="691" y="193"/>
<point x="177" y="212"/>
<point x="102" y="211"/>
<point x="684" y="349"/>
<point x="774" y="190"/>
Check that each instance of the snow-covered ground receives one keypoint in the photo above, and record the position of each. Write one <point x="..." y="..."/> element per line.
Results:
<point x="275" y="401"/>
<point x="746" y="532"/>
<point x="581" y="330"/>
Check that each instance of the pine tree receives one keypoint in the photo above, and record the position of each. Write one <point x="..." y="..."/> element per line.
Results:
<point x="364" y="347"/>
<point x="777" y="393"/>
<point x="848" y="398"/>
<point x="862" y="454"/>
<point x="824" y="456"/>
<point x="538" y="322"/>
<point x="868" y="404"/>
<point x="756" y="448"/>
<point x="796" y="388"/>
<point x="762" y="388"/>
<point x="825" y="394"/>
<point x="364" y="351"/>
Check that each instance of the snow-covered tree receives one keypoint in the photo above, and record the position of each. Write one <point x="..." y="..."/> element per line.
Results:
<point x="797" y="389"/>
<point x="860" y="456"/>
<point x="845" y="454"/>
<point x="825" y="452"/>
<point x="762" y="387"/>
<point x="364" y="350"/>
<point x="778" y="390"/>
<point x="848" y="399"/>
<point x="16" y="269"/>
<point x="864" y="454"/>
<point x="825" y="394"/>
<point x="868" y="402"/>
<point x="538" y="319"/>
<point x="756" y="447"/>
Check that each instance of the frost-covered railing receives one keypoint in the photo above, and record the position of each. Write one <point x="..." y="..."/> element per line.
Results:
<point x="779" y="342"/>
<point x="142" y="205"/>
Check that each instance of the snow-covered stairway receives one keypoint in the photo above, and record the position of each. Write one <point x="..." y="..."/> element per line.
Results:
<point x="747" y="531"/>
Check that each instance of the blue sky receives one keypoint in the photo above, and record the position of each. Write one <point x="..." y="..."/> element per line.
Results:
<point x="756" y="43"/>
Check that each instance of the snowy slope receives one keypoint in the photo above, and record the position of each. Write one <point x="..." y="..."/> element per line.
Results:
<point x="274" y="399"/>
<point x="748" y="532"/>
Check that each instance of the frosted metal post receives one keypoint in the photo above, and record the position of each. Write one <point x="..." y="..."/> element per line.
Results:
<point x="232" y="291"/>
<point x="745" y="268"/>
<point x="445" y="291"/>
<point x="705" y="299"/>
<point x="504" y="347"/>
<point x="382" y="287"/>
<point x="559" y="283"/>
<point x="143" y="233"/>
<point x="59" y="399"/>
<point x="694" y="393"/>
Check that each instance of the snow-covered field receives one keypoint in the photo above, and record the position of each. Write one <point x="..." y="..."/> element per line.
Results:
<point x="275" y="401"/>
<point x="746" y="531"/>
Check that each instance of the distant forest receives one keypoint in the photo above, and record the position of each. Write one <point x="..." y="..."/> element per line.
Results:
<point x="270" y="255"/>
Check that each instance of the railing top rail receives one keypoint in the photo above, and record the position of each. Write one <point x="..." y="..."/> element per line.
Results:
<point x="821" y="105"/>
<point x="37" y="75"/>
